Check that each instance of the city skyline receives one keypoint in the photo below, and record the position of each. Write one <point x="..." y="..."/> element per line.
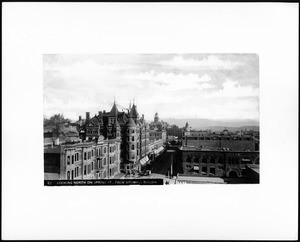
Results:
<point x="208" y="86"/>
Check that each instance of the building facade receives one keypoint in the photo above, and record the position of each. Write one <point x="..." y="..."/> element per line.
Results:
<point x="129" y="127"/>
<point x="85" y="160"/>
<point x="217" y="163"/>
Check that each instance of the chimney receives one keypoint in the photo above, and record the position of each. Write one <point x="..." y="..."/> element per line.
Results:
<point x="79" y="117"/>
<point x="87" y="115"/>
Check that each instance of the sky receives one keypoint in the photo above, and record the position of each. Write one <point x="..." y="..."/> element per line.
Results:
<point x="208" y="86"/>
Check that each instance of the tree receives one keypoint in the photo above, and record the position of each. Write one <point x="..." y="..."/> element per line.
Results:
<point x="56" y="121"/>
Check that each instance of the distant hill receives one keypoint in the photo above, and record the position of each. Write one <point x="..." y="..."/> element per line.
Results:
<point x="217" y="125"/>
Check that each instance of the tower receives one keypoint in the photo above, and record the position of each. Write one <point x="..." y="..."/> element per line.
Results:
<point x="134" y="113"/>
<point x="156" y="118"/>
<point x="131" y="143"/>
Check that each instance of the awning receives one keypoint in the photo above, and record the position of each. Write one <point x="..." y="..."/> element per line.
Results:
<point x="144" y="160"/>
<point x="196" y="168"/>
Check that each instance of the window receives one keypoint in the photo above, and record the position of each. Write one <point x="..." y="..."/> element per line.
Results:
<point x="72" y="159"/>
<point x="68" y="160"/>
<point x="104" y="161"/>
<point x="92" y="165"/>
<point x="84" y="155"/>
<point x="132" y="138"/>
<point x="204" y="169"/>
<point x="92" y="153"/>
<point x="132" y="147"/>
<point x="84" y="169"/>
<point x="109" y="160"/>
<point x="72" y="174"/>
<point x="68" y="175"/>
<point x="104" y="150"/>
<point x="212" y="170"/>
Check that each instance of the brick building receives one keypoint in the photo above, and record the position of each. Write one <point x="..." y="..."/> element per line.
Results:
<point x="85" y="160"/>
<point x="217" y="163"/>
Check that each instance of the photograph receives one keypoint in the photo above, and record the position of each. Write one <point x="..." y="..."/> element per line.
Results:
<point x="179" y="118"/>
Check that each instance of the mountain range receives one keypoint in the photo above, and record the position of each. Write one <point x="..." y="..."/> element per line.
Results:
<point x="216" y="125"/>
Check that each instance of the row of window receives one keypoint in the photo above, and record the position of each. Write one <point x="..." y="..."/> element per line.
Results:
<point x="91" y="131"/>
<point x="73" y="174"/>
<point x="204" y="169"/>
<point x="72" y="158"/>
<point x="87" y="169"/>
<point x="88" y="155"/>
<point x="229" y="160"/>
<point x="216" y="138"/>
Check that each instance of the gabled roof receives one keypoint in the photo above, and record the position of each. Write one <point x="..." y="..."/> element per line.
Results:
<point x="94" y="121"/>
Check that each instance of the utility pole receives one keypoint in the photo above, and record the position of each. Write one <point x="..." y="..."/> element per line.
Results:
<point x="171" y="152"/>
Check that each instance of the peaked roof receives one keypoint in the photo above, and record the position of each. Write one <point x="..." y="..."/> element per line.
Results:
<point x="130" y="122"/>
<point x="116" y="124"/>
<point x="94" y="121"/>
<point x="133" y="111"/>
<point x="114" y="110"/>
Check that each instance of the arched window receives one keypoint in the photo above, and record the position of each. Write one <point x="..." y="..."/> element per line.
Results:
<point x="212" y="160"/>
<point x="204" y="160"/>
<point x="68" y="175"/>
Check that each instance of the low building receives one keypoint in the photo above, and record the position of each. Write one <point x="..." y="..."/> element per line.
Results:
<point x="174" y="130"/>
<point x="217" y="163"/>
<point x="158" y="135"/>
<point x="85" y="160"/>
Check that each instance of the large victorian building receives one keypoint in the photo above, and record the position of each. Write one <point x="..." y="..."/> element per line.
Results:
<point x="128" y="127"/>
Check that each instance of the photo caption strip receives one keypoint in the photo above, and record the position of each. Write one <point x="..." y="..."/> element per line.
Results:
<point x="106" y="182"/>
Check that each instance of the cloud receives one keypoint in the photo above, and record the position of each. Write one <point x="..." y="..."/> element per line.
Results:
<point x="169" y="81"/>
<point x="87" y="83"/>
<point x="210" y="62"/>
<point x="232" y="89"/>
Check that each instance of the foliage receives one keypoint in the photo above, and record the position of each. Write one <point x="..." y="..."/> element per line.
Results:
<point x="56" y="121"/>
